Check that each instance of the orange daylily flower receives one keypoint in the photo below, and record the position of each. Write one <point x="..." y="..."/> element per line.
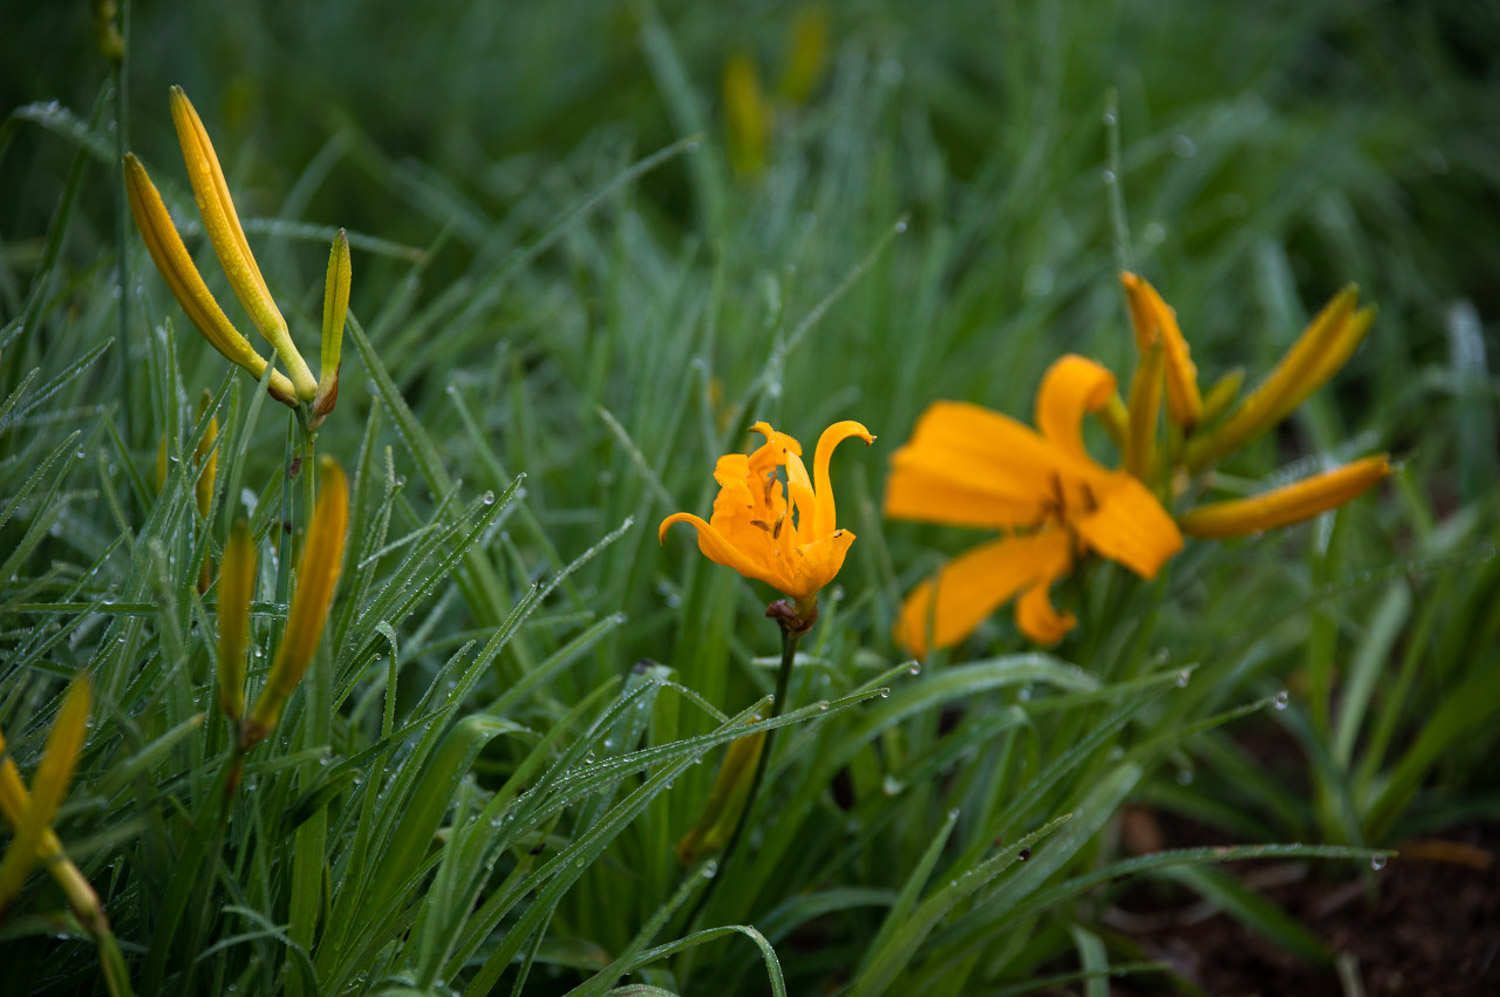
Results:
<point x="783" y="534"/>
<point x="968" y="466"/>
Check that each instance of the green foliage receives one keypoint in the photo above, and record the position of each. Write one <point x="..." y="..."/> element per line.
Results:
<point x="564" y="309"/>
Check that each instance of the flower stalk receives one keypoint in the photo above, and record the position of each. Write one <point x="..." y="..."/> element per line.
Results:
<point x="793" y="626"/>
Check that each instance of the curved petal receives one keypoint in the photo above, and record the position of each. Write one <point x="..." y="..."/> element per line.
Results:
<point x="717" y="548"/>
<point x="1001" y="469"/>
<point x="924" y="488"/>
<point x="770" y="453"/>
<point x="799" y="488"/>
<point x="971" y="587"/>
<point x="1129" y="526"/>
<point x="1072" y="387"/>
<point x="818" y="563"/>
<point x="825" y="515"/>
<point x="1037" y="619"/>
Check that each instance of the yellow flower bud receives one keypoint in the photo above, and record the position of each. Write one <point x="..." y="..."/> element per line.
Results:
<point x="222" y="223"/>
<point x="30" y="814"/>
<point x="1287" y="505"/>
<point x="317" y="577"/>
<point x="186" y="283"/>
<point x="335" y="308"/>
<point x="726" y="800"/>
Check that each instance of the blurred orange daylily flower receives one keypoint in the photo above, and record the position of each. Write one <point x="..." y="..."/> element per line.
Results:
<point x="783" y="534"/>
<point x="968" y="466"/>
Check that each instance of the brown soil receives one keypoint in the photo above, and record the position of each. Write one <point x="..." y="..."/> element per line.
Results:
<point x="1426" y="924"/>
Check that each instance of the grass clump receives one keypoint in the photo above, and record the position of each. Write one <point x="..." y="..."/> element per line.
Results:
<point x="591" y="247"/>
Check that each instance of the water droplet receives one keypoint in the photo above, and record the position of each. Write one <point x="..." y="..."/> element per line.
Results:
<point x="1109" y="177"/>
<point x="1183" y="677"/>
<point x="1377" y="862"/>
<point x="1282" y="699"/>
<point x="885" y="694"/>
<point x="1024" y="854"/>
<point x="1025" y="694"/>
<point x="488" y="498"/>
<point x="588" y="759"/>
<point x="914" y="669"/>
<point x="822" y="705"/>
<point x="901" y="225"/>
<point x="710" y="869"/>
<point x="1109" y="117"/>
<point x="953" y="814"/>
<point x="891" y="785"/>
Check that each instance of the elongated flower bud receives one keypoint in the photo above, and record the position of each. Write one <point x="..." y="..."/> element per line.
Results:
<point x="1287" y="505"/>
<point x="30" y="815"/>
<point x="726" y="800"/>
<point x="748" y="115"/>
<point x="222" y="223"/>
<point x="186" y="283"/>
<point x="236" y="585"/>
<point x="1145" y="403"/>
<point x="335" y="309"/>
<point x="1156" y="322"/>
<point x="807" y="53"/>
<point x="1322" y="349"/>
<point x="317" y="577"/>
<point x="206" y="456"/>
<point x="1223" y="393"/>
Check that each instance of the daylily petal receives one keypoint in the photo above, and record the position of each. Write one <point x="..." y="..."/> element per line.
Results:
<point x="1155" y="321"/>
<point x="799" y="487"/>
<point x="969" y="466"/>
<point x="1071" y="388"/>
<point x="825" y="511"/>
<point x="714" y="545"/>
<point x="768" y="454"/>
<point x="973" y="585"/>
<point x="819" y="562"/>
<point x="1035" y="615"/>
<point x="1286" y="505"/>
<point x="1128" y="525"/>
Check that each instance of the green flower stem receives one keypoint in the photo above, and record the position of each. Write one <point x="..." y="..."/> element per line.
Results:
<point x="790" y="635"/>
